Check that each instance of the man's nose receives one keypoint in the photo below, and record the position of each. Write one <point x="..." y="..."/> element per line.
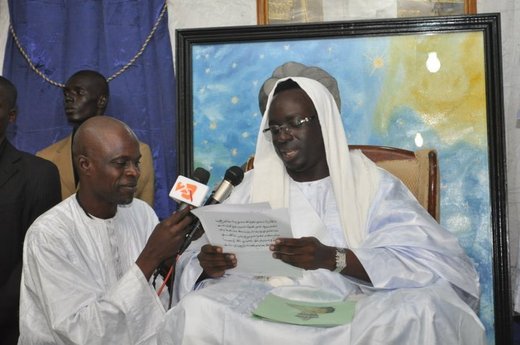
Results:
<point x="284" y="134"/>
<point x="132" y="169"/>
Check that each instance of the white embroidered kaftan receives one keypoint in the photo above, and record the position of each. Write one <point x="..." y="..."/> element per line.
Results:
<point x="80" y="283"/>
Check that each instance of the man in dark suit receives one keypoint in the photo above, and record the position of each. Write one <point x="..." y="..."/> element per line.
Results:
<point x="29" y="186"/>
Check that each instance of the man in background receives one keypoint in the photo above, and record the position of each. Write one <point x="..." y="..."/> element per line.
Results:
<point x="86" y="95"/>
<point x="29" y="186"/>
<point x="88" y="262"/>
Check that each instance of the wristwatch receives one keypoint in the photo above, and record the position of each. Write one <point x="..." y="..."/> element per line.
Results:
<point x="341" y="259"/>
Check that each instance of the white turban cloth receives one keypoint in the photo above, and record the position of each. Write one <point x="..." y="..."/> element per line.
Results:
<point x="355" y="178"/>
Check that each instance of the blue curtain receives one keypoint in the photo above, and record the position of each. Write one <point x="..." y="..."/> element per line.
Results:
<point x="62" y="37"/>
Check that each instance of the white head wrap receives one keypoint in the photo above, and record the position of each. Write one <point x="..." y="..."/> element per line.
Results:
<point x="355" y="178"/>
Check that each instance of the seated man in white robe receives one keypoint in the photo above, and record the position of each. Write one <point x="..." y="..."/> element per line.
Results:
<point x="357" y="232"/>
<point x="88" y="262"/>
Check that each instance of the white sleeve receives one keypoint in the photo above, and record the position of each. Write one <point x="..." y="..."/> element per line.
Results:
<point x="75" y="309"/>
<point x="406" y="247"/>
<point x="188" y="270"/>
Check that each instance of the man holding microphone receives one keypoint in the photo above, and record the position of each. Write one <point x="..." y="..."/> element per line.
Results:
<point x="88" y="261"/>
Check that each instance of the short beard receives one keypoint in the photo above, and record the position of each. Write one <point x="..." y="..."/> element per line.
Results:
<point x="125" y="202"/>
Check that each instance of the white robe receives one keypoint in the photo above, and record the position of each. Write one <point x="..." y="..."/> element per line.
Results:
<point x="422" y="281"/>
<point x="80" y="283"/>
<point x="422" y="284"/>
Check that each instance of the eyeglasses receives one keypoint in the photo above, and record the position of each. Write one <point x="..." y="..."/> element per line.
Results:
<point x="287" y="127"/>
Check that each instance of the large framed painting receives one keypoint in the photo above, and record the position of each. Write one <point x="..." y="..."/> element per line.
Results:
<point x="429" y="82"/>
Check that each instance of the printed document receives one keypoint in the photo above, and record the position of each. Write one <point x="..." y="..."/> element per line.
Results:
<point x="247" y="230"/>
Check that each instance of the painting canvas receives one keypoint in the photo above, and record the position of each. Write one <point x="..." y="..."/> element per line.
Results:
<point x="408" y="83"/>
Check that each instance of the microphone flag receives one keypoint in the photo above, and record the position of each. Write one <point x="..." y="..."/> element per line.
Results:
<point x="186" y="190"/>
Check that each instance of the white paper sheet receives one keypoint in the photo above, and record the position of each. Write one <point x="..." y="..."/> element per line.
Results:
<point x="247" y="231"/>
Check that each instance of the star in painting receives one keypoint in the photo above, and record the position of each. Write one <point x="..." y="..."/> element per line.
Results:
<point x="376" y="62"/>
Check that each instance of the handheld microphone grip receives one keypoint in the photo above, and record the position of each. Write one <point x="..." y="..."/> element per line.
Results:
<point x="233" y="177"/>
<point x="187" y="191"/>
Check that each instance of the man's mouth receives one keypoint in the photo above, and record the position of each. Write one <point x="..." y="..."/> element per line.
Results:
<point x="129" y="187"/>
<point x="288" y="154"/>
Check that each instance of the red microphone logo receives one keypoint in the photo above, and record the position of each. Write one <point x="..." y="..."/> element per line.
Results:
<point x="187" y="190"/>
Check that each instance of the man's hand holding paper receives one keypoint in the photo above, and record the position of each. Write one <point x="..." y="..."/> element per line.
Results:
<point x="306" y="252"/>
<point x="244" y="234"/>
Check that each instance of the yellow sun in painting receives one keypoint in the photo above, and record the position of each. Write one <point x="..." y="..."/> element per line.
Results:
<point x="213" y="125"/>
<point x="234" y="152"/>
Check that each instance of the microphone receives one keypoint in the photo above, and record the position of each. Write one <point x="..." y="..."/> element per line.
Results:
<point x="233" y="177"/>
<point x="186" y="192"/>
<point x="192" y="191"/>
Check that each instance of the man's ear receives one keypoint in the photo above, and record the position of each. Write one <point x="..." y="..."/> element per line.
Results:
<point x="84" y="164"/>
<point x="12" y="115"/>
<point x="102" y="103"/>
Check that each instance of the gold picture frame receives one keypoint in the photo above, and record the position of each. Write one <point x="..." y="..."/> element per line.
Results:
<point x="308" y="11"/>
